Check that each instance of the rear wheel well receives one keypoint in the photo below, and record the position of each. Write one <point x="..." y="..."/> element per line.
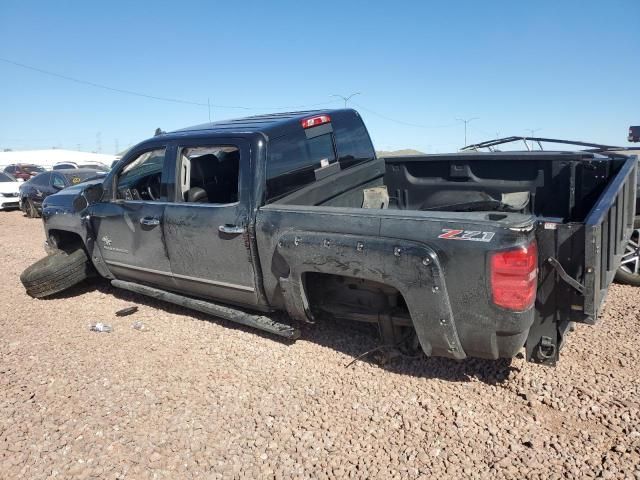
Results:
<point x="64" y="240"/>
<point x="359" y="299"/>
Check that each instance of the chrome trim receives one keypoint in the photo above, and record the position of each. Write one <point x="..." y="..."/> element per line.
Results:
<point x="183" y="277"/>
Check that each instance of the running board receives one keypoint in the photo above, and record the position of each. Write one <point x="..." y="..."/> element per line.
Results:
<point x="228" y="313"/>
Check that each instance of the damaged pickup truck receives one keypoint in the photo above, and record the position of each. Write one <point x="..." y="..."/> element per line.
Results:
<point x="468" y="254"/>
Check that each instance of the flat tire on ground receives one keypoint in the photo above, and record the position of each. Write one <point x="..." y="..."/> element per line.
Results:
<point x="56" y="272"/>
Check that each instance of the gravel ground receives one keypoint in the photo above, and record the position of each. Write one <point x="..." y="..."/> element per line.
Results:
<point x="200" y="398"/>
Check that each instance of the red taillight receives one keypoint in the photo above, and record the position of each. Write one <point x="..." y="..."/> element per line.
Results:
<point x="315" y="121"/>
<point x="514" y="275"/>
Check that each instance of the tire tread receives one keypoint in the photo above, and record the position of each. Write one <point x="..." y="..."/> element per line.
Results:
<point x="55" y="273"/>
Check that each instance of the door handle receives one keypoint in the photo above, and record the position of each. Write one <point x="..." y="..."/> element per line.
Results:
<point x="234" y="229"/>
<point x="150" y="221"/>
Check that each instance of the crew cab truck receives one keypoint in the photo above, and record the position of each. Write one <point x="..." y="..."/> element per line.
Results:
<point x="468" y="254"/>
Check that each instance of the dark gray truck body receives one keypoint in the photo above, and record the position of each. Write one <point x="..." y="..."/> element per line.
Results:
<point x="296" y="235"/>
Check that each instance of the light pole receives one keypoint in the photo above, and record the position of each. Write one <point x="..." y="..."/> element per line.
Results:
<point x="465" y="121"/>
<point x="347" y="98"/>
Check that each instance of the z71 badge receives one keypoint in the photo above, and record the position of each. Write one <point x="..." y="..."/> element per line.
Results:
<point x="470" y="235"/>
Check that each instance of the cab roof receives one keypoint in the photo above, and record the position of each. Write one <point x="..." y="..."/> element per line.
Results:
<point x="273" y="124"/>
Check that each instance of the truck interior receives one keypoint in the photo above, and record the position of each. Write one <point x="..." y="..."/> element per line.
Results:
<point x="209" y="174"/>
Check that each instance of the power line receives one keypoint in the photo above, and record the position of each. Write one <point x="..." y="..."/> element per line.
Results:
<point x="401" y="122"/>
<point x="153" y="97"/>
<point x="209" y="105"/>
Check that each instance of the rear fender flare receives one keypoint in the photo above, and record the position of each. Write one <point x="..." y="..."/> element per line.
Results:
<point x="412" y="268"/>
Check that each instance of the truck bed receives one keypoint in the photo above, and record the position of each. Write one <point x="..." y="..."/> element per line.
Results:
<point x="320" y="242"/>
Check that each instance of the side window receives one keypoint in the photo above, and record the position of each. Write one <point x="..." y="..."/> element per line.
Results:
<point x="57" y="182"/>
<point x="209" y="174"/>
<point x="293" y="161"/>
<point x="141" y="178"/>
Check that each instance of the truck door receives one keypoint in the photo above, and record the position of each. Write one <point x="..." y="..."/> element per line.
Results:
<point x="205" y="228"/>
<point x="127" y="223"/>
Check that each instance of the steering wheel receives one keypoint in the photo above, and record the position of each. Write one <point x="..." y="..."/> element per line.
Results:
<point x="153" y="187"/>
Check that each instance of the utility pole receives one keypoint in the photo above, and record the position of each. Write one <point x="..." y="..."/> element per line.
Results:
<point x="466" y="121"/>
<point x="209" y="107"/>
<point x="347" y="98"/>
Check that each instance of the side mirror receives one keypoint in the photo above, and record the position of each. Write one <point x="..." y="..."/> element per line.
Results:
<point x="89" y="195"/>
<point x="93" y="193"/>
<point x="58" y="187"/>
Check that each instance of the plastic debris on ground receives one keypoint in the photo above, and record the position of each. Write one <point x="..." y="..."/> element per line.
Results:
<point x="100" y="327"/>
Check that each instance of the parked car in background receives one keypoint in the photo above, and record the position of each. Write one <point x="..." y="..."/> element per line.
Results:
<point x="634" y="134"/>
<point x="9" y="191"/>
<point x="34" y="191"/>
<point x="69" y="165"/>
<point x="24" y="171"/>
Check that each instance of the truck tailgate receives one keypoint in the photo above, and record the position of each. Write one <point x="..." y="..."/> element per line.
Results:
<point x="578" y="261"/>
<point x="607" y="230"/>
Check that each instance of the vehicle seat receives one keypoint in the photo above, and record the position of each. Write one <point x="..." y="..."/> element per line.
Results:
<point x="204" y="174"/>
<point x="197" y="195"/>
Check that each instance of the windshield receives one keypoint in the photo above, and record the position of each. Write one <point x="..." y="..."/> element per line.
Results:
<point x="94" y="166"/>
<point x="6" y="178"/>
<point x="76" y="178"/>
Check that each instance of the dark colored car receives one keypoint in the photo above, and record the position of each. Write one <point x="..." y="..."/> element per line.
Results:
<point x="463" y="255"/>
<point x="34" y="191"/>
<point x="25" y="171"/>
<point x="634" y="134"/>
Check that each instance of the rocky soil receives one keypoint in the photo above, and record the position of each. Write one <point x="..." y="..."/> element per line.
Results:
<point x="196" y="397"/>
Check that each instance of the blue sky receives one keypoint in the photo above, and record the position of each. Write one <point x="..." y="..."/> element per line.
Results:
<point x="569" y="68"/>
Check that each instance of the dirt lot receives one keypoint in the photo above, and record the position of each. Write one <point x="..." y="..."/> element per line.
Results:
<point x="200" y="398"/>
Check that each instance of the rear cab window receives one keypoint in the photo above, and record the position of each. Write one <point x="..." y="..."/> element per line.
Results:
<point x="293" y="159"/>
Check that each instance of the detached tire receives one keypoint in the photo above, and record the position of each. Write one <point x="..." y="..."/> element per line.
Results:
<point x="56" y="273"/>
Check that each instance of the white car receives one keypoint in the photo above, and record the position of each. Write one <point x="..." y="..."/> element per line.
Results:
<point x="9" y="192"/>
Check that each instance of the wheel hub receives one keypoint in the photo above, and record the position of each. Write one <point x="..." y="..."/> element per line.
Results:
<point x="631" y="258"/>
